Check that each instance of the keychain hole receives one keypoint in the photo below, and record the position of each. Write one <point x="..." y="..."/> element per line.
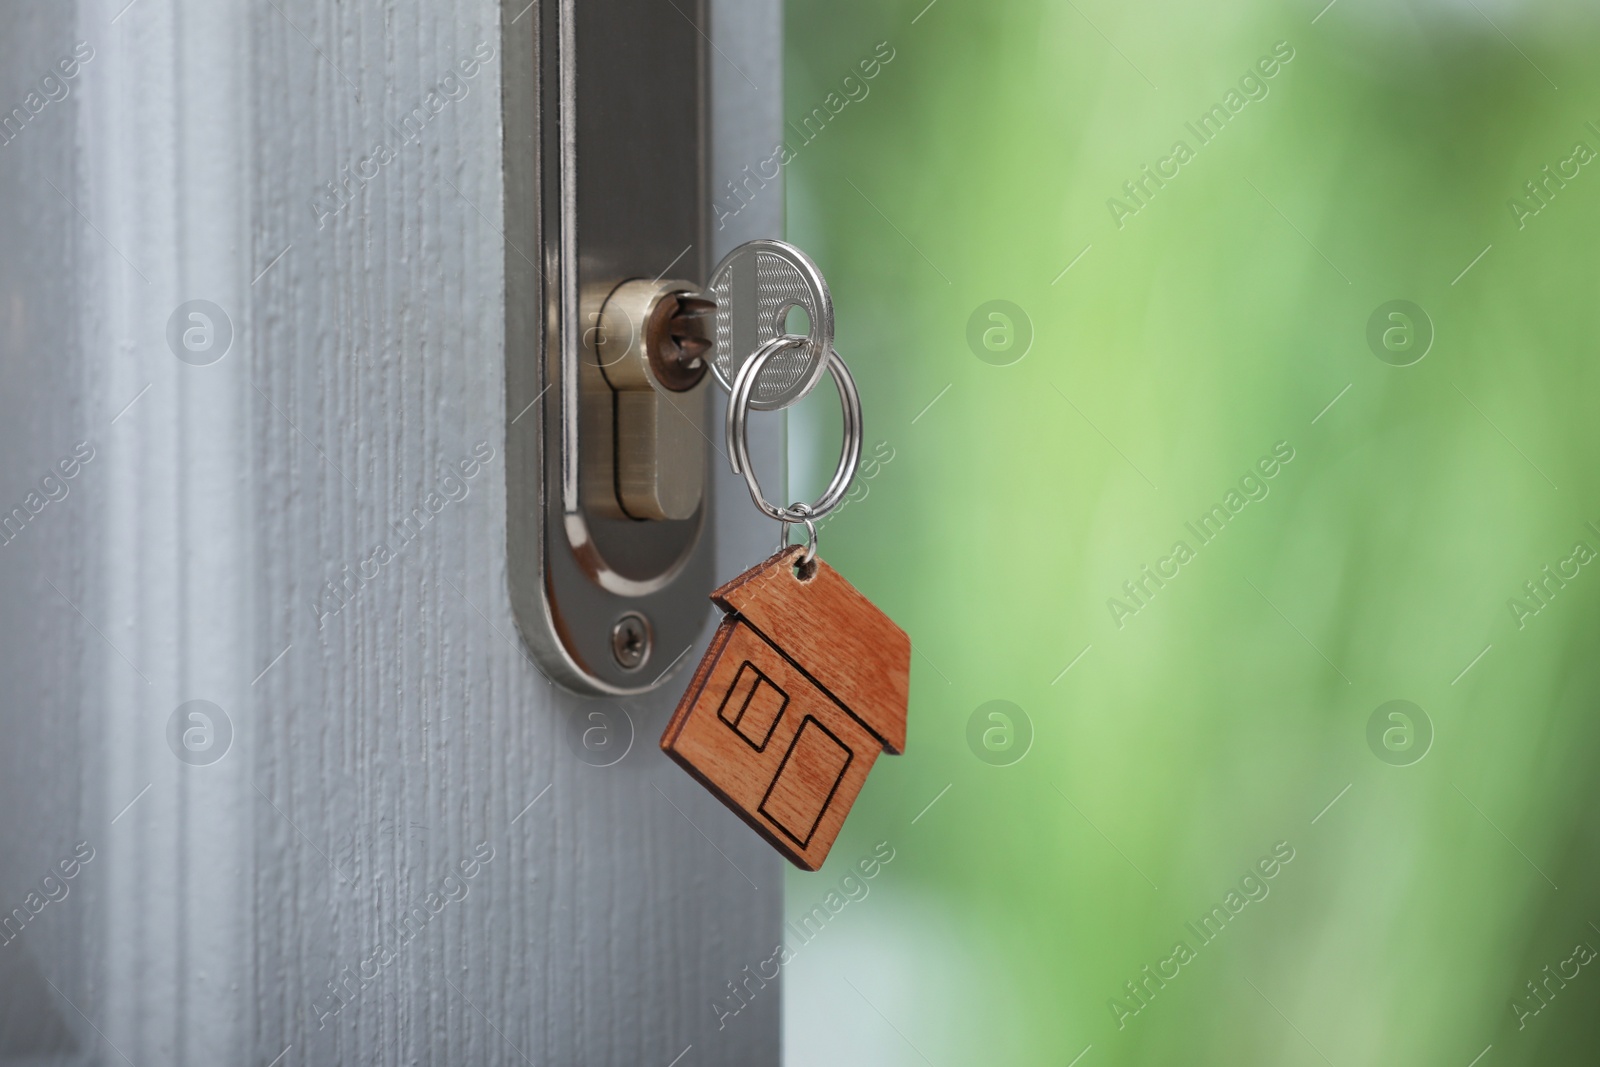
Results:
<point x="805" y="571"/>
<point x="796" y="320"/>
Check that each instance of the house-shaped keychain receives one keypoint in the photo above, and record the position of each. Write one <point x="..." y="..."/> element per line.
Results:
<point x="804" y="682"/>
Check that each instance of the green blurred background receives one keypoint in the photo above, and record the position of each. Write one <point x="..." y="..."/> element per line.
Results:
<point x="1072" y="839"/>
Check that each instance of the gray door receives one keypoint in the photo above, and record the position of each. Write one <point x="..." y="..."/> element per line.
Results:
<point x="280" y="782"/>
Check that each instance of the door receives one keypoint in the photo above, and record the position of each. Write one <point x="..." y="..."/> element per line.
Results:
<point x="283" y="784"/>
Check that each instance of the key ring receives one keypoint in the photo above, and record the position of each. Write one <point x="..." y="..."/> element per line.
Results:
<point x="739" y="440"/>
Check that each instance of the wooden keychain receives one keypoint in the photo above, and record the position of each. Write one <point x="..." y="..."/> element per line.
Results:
<point x="805" y="680"/>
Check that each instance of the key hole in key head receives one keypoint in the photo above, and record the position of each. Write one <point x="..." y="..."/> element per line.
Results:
<point x="796" y="320"/>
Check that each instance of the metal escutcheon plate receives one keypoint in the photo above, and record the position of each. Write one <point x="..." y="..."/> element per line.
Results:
<point x="607" y="605"/>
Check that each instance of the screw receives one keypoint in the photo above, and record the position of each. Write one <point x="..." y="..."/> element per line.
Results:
<point x="630" y="641"/>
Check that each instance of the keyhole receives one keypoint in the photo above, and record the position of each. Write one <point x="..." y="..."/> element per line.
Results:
<point x="796" y="320"/>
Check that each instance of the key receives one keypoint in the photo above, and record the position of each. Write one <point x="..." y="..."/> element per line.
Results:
<point x="804" y="684"/>
<point x="754" y="286"/>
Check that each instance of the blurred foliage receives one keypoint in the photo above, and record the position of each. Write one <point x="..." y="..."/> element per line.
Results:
<point x="1223" y="717"/>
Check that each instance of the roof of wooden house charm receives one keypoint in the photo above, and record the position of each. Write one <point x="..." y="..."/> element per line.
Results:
<point x="804" y="682"/>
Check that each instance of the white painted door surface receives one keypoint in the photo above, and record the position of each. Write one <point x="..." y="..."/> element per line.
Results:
<point x="373" y="842"/>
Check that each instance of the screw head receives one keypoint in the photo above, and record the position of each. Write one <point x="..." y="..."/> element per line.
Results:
<point x="630" y="641"/>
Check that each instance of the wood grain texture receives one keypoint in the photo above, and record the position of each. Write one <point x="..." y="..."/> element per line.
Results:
<point x="416" y="728"/>
<point x="829" y="627"/>
<point x="797" y="784"/>
<point x="802" y="686"/>
<point x="307" y="899"/>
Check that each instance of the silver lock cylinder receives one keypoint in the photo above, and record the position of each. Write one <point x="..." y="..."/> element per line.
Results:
<point x="649" y="343"/>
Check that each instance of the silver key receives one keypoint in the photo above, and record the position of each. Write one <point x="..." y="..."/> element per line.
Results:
<point x="754" y="286"/>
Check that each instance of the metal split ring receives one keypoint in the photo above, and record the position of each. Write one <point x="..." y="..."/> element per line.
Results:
<point x="739" y="440"/>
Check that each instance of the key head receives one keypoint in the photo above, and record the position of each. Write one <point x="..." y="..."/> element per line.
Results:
<point x="754" y="286"/>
